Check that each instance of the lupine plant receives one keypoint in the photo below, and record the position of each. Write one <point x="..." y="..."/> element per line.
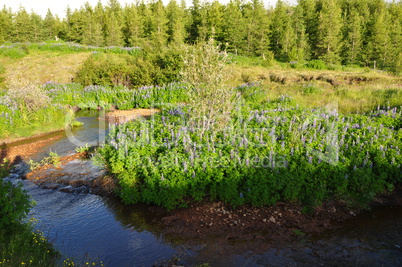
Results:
<point x="97" y="96"/>
<point x="260" y="157"/>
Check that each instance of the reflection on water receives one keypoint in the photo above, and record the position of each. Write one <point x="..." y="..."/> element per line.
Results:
<point x="83" y="226"/>
<point x="90" y="132"/>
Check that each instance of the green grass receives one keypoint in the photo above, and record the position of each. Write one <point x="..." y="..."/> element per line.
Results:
<point x="354" y="90"/>
<point x="24" y="246"/>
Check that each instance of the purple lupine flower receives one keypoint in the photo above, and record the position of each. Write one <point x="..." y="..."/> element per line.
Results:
<point x="185" y="166"/>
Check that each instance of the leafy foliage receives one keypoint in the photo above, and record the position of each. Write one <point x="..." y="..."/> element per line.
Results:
<point x="261" y="157"/>
<point x="144" y="69"/>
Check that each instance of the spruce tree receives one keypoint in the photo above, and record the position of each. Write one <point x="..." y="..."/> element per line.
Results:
<point x="114" y="34"/>
<point x="50" y="26"/>
<point x="354" y="37"/>
<point x="329" y="31"/>
<point x="379" y="44"/>
<point x="234" y="27"/>
<point x="158" y="24"/>
<point x="257" y="22"/>
<point x="395" y="11"/>
<point x="214" y="21"/>
<point x="22" y="29"/>
<point x="195" y="23"/>
<point x="134" y="26"/>
<point x="175" y="23"/>
<point x="6" y="24"/>
<point x="301" y="50"/>
<point x="37" y="26"/>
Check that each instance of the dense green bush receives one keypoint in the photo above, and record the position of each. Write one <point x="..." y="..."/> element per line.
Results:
<point x="14" y="204"/>
<point x="261" y="157"/>
<point x="147" y="68"/>
<point x="316" y="64"/>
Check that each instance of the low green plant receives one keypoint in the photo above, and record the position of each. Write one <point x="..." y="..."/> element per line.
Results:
<point x="310" y="89"/>
<point x="13" y="52"/>
<point x="53" y="159"/>
<point x="316" y="64"/>
<point x="83" y="149"/>
<point x="4" y="168"/>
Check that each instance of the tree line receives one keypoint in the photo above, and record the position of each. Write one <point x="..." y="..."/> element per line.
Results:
<point x="351" y="32"/>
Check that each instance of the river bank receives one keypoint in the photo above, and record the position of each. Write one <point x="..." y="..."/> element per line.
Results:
<point x="254" y="228"/>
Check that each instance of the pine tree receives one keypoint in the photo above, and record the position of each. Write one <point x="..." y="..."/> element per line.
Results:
<point x="22" y="29"/>
<point x="234" y="31"/>
<point x="175" y="25"/>
<point x="354" y="37"/>
<point x="329" y="31"/>
<point x="6" y="24"/>
<point x="379" y="44"/>
<point x="159" y="24"/>
<point x="37" y="26"/>
<point x="134" y="27"/>
<point x="114" y="34"/>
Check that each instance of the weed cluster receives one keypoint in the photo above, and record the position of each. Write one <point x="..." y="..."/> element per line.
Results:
<point x="53" y="159"/>
<point x="24" y="108"/>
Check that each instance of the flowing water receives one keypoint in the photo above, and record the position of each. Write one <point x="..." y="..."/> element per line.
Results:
<point x="88" y="227"/>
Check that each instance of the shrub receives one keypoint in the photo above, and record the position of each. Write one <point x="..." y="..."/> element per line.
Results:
<point x="147" y="68"/>
<point x="316" y="64"/>
<point x="27" y="96"/>
<point x="14" y="204"/>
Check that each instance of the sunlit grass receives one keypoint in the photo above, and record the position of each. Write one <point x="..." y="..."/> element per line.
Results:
<point x="355" y="90"/>
<point x="43" y="66"/>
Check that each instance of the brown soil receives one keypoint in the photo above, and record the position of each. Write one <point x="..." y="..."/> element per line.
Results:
<point x="122" y="116"/>
<point x="23" y="148"/>
<point x="255" y="229"/>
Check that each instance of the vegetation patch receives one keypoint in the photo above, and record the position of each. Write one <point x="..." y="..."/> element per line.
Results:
<point x="260" y="157"/>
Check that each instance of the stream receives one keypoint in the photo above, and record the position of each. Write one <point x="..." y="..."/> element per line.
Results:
<point x="86" y="227"/>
